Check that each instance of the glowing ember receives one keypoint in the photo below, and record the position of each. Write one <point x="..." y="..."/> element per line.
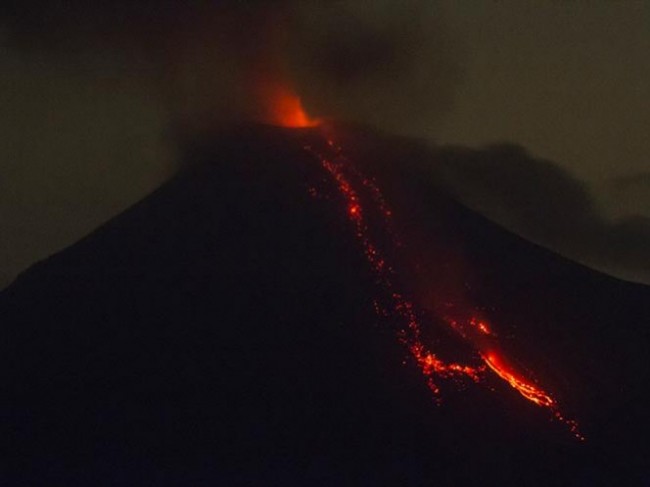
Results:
<point x="431" y="364"/>
<point x="480" y="326"/>
<point x="351" y="185"/>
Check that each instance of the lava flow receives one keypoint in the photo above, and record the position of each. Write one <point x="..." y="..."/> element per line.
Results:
<point x="398" y="306"/>
<point x="351" y="186"/>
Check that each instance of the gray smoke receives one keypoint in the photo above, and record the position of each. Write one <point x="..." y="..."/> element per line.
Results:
<point x="544" y="203"/>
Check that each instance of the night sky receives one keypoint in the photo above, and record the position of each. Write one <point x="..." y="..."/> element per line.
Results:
<point x="95" y="99"/>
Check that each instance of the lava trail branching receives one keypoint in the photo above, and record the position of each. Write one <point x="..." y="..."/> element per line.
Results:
<point x="398" y="306"/>
<point x="352" y="186"/>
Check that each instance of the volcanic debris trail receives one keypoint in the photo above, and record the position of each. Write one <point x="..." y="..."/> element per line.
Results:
<point x="362" y="197"/>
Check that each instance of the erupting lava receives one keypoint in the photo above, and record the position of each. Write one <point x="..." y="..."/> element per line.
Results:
<point x="352" y="187"/>
<point x="285" y="109"/>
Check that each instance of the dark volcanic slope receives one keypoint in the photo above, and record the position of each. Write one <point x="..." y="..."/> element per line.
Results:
<point x="222" y="332"/>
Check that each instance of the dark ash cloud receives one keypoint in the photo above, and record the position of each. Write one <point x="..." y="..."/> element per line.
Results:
<point x="542" y="202"/>
<point x="389" y="64"/>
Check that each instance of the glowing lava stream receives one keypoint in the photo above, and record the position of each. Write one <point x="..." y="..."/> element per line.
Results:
<point x="530" y="392"/>
<point x="289" y="112"/>
<point x="475" y="331"/>
<point x="403" y="309"/>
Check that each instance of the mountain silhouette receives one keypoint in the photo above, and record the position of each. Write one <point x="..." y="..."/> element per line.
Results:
<point x="223" y="331"/>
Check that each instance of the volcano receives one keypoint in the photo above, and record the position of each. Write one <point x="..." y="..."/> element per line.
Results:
<point x="304" y="306"/>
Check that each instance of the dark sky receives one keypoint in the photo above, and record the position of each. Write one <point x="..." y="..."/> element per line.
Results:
<point x="91" y="98"/>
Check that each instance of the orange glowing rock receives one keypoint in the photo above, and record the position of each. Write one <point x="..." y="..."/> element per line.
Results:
<point x="481" y="326"/>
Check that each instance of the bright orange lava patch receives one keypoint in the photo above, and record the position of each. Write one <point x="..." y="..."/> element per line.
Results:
<point x="526" y="389"/>
<point x="286" y="110"/>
